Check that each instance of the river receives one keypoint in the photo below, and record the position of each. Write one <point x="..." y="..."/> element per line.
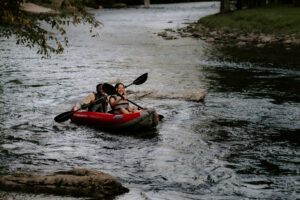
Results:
<point x="241" y="142"/>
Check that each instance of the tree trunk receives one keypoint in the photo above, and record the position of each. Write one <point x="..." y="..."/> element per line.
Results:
<point x="147" y="3"/>
<point x="239" y="4"/>
<point x="225" y="6"/>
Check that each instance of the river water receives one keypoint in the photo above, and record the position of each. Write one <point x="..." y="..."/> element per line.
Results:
<point x="241" y="142"/>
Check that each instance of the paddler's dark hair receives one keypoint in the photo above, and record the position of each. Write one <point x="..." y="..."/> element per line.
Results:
<point x="97" y="87"/>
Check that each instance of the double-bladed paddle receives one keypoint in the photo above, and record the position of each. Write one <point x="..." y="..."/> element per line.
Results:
<point x="109" y="89"/>
<point x="67" y="115"/>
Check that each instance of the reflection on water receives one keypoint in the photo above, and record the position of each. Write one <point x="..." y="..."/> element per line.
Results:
<point x="241" y="142"/>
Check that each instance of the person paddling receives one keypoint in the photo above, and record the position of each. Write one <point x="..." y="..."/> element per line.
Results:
<point x="100" y="97"/>
<point x="118" y="104"/>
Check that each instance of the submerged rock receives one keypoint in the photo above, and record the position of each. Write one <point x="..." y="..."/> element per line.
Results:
<point x="168" y="35"/>
<point x="162" y="34"/>
<point x="241" y="43"/>
<point x="76" y="182"/>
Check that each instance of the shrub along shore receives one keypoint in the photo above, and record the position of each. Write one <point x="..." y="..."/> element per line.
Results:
<point x="259" y="27"/>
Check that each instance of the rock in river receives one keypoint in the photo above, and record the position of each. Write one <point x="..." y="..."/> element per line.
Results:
<point x="76" y="182"/>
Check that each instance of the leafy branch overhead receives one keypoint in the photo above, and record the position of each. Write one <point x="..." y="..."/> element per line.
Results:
<point x="46" y="31"/>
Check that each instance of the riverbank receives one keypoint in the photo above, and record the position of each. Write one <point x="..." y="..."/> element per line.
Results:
<point x="259" y="27"/>
<point x="261" y="35"/>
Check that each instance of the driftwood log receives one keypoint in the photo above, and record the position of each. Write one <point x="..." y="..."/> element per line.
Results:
<point x="76" y="182"/>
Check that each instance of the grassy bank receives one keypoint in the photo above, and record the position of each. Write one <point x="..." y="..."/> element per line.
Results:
<point x="269" y="20"/>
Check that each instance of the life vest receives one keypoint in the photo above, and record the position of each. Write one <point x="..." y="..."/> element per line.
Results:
<point x="98" y="107"/>
<point x="121" y="104"/>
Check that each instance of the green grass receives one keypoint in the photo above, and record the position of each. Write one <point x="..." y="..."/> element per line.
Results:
<point x="272" y="20"/>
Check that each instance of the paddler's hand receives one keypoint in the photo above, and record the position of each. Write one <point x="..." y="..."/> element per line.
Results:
<point x="124" y="97"/>
<point x="143" y="108"/>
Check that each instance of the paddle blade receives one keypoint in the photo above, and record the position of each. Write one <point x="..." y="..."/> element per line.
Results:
<point x="64" y="116"/>
<point x="160" y="117"/>
<point x="140" y="80"/>
<point x="109" y="89"/>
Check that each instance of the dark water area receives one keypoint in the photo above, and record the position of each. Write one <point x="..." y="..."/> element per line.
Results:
<point x="279" y="55"/>
<point x="241" y="142"/>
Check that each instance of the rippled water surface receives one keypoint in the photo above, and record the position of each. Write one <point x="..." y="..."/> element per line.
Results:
<point x="241" y="142"/>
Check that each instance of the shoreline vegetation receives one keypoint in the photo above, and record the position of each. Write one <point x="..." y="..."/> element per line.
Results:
<point x="258" y="27"/>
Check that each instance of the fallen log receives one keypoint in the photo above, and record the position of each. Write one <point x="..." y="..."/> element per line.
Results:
<point x="76" y="182"/>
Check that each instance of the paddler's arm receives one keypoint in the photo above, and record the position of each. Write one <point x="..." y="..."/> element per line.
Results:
<point x="114" y="102"/>
<point x="89" y="99"/>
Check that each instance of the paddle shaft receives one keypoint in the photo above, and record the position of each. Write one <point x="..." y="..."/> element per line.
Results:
<point x="128" y="85"/>
<point x="130" y="101"/>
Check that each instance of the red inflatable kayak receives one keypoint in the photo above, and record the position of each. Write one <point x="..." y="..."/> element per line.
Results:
<point x="145" y="119"/>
